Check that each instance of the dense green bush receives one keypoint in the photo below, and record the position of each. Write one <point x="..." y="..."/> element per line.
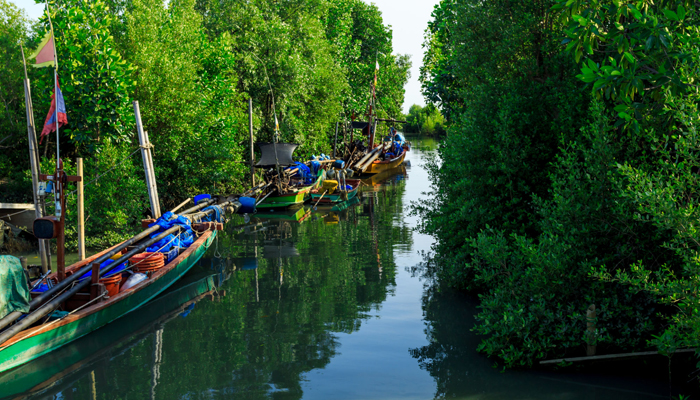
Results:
<point x="547" y="199"/>
<point x="425" y="120"/>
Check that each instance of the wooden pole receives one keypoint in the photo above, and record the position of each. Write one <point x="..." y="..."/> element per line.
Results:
<point x="81" y="213"/>
<point x="152" y="170"/>
<point x="252" y="154"/>
<point x="590" y="330"/>
<point x="35" y="170"/>
<point x="143" y="142"/>
<point x="335" y="141"/>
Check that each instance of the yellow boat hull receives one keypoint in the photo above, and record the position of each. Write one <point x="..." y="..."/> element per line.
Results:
<point x="378" y="167"/>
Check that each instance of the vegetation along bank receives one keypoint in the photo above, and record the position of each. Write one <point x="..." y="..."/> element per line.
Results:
<point x="569" y="174"/>
<point x="192" y="65"/>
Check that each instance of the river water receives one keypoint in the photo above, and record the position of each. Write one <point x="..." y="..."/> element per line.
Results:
<point x="316" y="304"/>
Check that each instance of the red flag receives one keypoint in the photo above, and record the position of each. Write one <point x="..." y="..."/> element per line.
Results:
<point x="50" y="124"/>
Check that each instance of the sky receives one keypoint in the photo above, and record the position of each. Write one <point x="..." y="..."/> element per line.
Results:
<point x="408" y="18"/>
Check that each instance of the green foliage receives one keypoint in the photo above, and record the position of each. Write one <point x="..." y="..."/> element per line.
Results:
<point x="546" y="202"/>
<point x="14" y="30"/>
<point x="192" y="65"/>
<point x="95" y="79"/>
<point x="185" y="86"/>
<point x="634" y="54"/>
<point x="426" y="120"/>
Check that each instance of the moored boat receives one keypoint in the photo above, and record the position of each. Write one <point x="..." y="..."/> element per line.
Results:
<point x="297" y="193"/>
<point x="319" y="196"/>
<point x="48" y="375"/>
<point x="36" y="341"/>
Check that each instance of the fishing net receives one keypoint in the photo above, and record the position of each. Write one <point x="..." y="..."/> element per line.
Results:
<point x="14" y="290"/>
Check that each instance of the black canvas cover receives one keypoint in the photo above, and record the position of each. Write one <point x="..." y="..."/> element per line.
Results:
<point x="283" y="157"/>
<point x="359" y="124"/>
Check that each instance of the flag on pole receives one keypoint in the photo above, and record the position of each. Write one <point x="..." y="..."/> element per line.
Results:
<point x="45" y="53"/>
<point x="57" y="110"/>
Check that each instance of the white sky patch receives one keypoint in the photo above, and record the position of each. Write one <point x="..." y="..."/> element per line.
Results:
<point x="409" y="20"/>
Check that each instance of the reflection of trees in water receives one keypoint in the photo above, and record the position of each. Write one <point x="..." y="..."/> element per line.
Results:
<point x="278" y="322"/>
<point x="459" y="371"/>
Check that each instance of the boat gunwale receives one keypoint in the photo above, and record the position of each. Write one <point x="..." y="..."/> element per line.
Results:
<point x="37" y="330"/>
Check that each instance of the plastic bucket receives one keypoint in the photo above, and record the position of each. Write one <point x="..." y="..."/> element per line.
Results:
<point x="147" y="262"/>
<point x="112" y="283"/>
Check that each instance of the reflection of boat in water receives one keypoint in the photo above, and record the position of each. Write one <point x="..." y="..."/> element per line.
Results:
<point x="337" y="207"/>
<point x="60" y="369"/>
<point x="374" y="181"/>
<point x="292" y="214"/>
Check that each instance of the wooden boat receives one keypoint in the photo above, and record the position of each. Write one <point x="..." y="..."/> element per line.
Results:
<point x="378" y="167"/>
<point x="337" y="196"/>
<point x="52" y="373"/>
<point x="297" y="195"/>
<point x="36" y="341"/>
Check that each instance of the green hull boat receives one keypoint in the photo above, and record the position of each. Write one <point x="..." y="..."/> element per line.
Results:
<point x="47" y="376"/>
<point x="297" y="196"/>
<point x="34" y="342"/>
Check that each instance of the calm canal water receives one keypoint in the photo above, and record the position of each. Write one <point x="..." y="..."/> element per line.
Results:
<point x="314" y="304"/>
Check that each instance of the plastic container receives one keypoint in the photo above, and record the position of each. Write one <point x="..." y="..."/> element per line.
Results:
<point x="329" y="186"/>
<point x="247" y="205"/>
<point x="201" y="197"/>
<point x="133" y="280"/>
<point x="112" y="284"/>
<point x="339" y="164"/>
<point x="147" y="262"/>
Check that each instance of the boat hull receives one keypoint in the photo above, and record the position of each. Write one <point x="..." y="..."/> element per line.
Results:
<point x="290" y="199"/>
<point x="335" y="198"/>
<point x="285" y="200"/>
<point x="96" y="316"/>
<point x="378" y="167"/>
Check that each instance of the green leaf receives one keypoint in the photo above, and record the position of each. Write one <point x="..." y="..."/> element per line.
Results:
<point x="681" y="12"/>
<point x="629" y="57"/>
<point x="670" y="15"/>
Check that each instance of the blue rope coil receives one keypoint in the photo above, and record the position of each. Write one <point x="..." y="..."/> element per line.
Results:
<point x="218" y="214"/>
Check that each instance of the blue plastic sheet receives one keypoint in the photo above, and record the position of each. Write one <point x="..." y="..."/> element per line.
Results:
<point x="303" y="172"/>
<point x="186" y="235"/>
<point x="44" y="287"/>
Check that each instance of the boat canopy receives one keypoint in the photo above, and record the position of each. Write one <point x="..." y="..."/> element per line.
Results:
<point x="276" y="154"/>
<point x="359" y="124"/>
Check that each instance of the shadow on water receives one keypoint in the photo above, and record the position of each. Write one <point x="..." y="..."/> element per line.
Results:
<point x="266" y="313"/>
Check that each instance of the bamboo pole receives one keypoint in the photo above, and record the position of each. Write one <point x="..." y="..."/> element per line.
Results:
<point x="81" y="212"/>
<point x="152" y="170"/>
<point x="611" y="356"/>
<point x="252" y="153"/>
<point x="34" y="165"/>
<point x="143" y="142"/>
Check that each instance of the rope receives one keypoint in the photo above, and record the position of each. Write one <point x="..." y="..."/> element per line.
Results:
<point x="60" y="319"/>
<point x="18" y="212"/>
<point x="99" y="176"/>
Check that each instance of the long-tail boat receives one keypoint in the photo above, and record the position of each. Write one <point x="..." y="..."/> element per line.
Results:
<point x="374" y="158"/>
<point x="50" y="374"/>
<point x="318" y="196"/>
<point x="87" y="304"/>
<point x="287" y="184"/>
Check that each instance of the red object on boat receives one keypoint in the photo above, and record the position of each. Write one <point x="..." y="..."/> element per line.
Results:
<point x="112" y="284"/>
<point x="147" y="262"/>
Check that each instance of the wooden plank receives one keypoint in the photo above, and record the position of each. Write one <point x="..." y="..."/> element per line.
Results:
<point x="610" y="356"/>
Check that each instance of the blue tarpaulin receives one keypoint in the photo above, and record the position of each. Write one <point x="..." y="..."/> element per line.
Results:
<point x="186" y="235"/>
<point x="303" y="172"/>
